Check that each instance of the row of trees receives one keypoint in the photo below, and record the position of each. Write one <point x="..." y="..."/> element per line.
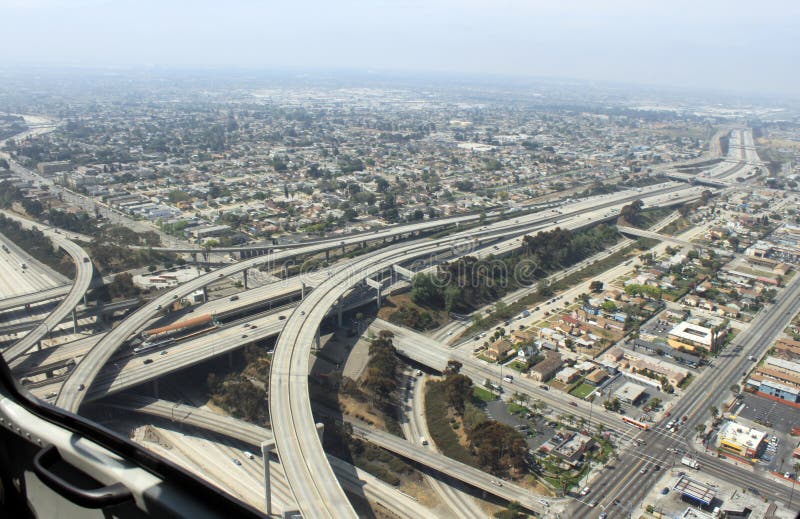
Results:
<point x="635" y="289"/>
<point x="464" y="284"/>
<point x="380" y="379"/>
<point x="412" y="317"/>
<point x="244" y="395"/>
<point x="35" y="243"/>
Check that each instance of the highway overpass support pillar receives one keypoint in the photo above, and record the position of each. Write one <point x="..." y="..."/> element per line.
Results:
<point x="155" y="388"/>
<point x="230" y="360"/>
<point x="302" y="290"/>
<point x="266" y="448"/>
<point x="377" y="286"/>
<point x="205" y="295"/>
<point x="327" y="255"/>
<point x="74" y="321"/>
<point x="244" y="279"/>
<point x="317" y="340"/>
<point x="339" y="312"/>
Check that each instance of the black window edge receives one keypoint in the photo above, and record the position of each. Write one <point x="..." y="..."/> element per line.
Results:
<point x="199" y="490"/>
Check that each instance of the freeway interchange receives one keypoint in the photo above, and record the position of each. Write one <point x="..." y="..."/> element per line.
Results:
<point x="309" y="473"/>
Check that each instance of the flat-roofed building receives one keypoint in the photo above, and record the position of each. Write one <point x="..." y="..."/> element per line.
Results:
<point x="630" y="393"/>
<point x="693" y="490"/>
<point x="740" y="440"/>
<point x="693" y="337"/>
<point x="208" y="231"/>
<point x="779" y="391"/>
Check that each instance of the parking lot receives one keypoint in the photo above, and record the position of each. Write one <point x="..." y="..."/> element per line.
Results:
<point x="767" y="413"/>
<point x="536" y="430"/>
<point x="776" y="420"/>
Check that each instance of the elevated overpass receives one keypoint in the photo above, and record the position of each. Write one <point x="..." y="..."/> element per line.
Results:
<point x="42" y="296"/>
<point x="643" y="233"/>
<point x="71" y="396"/>
<point x="81" y="312"/>
<point x="431" y="353"/>
<point x="72" y="393"/>
<point x="309" y="477"/>
<point x="355" y="480"/>
<point x="84" y="272"/>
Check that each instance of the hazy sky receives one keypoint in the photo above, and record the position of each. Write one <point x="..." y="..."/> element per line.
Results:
<point x="732" y="45"/>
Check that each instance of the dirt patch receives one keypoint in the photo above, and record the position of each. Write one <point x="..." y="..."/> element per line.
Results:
<point x="361" y="410"/>
<point x="393" y="303"/>
<point x="420" y="491"/>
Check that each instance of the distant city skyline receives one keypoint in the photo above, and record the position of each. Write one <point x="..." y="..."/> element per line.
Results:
<point x="730" y="46"/>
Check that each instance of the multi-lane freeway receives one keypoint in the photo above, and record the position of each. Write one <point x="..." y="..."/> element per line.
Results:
<point x="354" y="480"/>
<point x="308" y="473"/>
<point x="83" y="277"/>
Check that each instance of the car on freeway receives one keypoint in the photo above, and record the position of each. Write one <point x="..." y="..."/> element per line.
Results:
<point x="147" y="361"/>
<point x="236" y="461"/>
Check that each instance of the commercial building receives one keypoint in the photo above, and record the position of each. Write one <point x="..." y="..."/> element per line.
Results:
<point x="774" y="390"/>
<point x="630" y="393"/>
<point x="653" y="366"/>
<point x="740" y="440"/>
<point x="207" y="231"/>
<point x="695" y="491"/>
<point x="692" y="337"/>
<point x="48" y="168"/>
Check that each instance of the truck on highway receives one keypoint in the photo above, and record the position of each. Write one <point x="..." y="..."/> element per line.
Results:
<point x="690" y="462"/>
